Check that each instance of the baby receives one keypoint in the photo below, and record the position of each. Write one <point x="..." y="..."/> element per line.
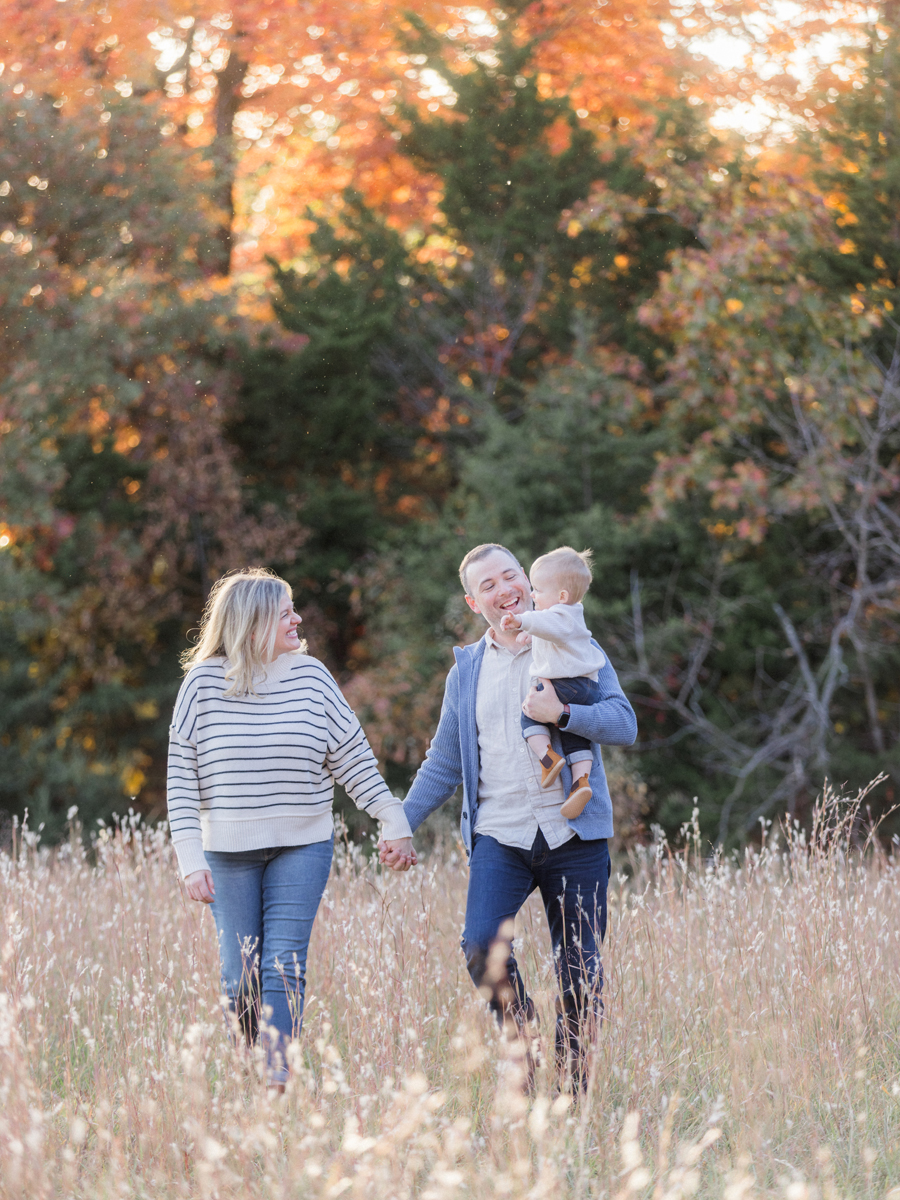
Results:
<point x="562" y="651"/>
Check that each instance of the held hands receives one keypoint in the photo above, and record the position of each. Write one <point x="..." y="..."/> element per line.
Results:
<point x="510" y="621"/>
<point x="543" y="706"/>
<point x="397" y="853"/>
<point x="199" y="886"/>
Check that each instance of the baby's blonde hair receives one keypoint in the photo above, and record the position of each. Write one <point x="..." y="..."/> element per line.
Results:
<point x="240" y="620"/>
<point x="571" y="569"/>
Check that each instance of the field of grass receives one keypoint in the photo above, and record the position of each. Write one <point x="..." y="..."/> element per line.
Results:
<point x="750" y="1047"/>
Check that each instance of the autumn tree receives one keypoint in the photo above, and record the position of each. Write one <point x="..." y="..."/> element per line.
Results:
<point x="119" y="500"/>
<point x="751" y="606"/>
<point x="782" y="432"/>
<point x="410" y="342"/>
<point x="322" y="428"/>
<point x="289" y="103"/>
<point x="854" y="157"/>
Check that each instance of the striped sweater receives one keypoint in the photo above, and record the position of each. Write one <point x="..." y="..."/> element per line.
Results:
<point x="257" y="771"/>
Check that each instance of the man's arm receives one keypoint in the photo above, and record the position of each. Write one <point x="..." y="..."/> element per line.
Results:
<point x="441" y="773"/>
<point x="611" y="721"/>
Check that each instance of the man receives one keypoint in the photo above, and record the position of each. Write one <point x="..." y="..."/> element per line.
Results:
<point x="515" y="836"/>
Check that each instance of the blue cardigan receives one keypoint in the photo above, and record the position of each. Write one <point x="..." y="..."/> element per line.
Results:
<point x="452" y="757"/>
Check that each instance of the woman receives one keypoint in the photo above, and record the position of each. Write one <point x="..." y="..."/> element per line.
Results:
<point x="259" y="735"/>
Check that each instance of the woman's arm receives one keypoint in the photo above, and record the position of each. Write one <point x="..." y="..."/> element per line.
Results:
<point x="183" y="784"/>
<point x="350" y="761"/>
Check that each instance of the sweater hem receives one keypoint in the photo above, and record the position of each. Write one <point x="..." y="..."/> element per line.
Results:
<point x="261" y="833"/>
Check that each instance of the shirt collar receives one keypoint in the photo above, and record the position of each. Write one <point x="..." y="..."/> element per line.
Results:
<point x="490" y="644"/>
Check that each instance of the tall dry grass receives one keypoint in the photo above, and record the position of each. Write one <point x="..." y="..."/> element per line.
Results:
<point x="751" y="1045"/>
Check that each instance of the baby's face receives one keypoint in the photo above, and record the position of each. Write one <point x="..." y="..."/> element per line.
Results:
<point x="545" y="589"/>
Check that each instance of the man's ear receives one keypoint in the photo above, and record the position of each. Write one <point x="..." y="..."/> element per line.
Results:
<point x="474" y="607"/>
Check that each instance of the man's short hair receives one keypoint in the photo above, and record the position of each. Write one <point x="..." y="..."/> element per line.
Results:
<point x="570" y="568"/>
<point x="476" y="555"/>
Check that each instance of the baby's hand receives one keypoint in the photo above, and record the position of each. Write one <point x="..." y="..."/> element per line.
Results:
<point x="510" y="621"/>
<point x="524" y="638"/>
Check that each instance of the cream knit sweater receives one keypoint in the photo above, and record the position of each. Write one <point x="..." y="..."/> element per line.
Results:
<point x="561" y="643"/>
<point x="258" y="771"/>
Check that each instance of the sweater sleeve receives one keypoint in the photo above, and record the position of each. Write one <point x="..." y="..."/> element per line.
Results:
<point x="183" y="784"/>
<point x="352" y="764"/>
<point x="611" y="721"/>
<point x="551" y="624"/>
<point x="442" y="772"/>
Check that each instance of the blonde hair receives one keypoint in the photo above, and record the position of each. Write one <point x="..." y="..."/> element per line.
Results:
<point x="240" y="621"/>
<point x="571" y="569"/>
<point x="476" y="555"/>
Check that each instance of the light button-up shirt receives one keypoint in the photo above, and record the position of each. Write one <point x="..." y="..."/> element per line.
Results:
<point x="512" y="806"/>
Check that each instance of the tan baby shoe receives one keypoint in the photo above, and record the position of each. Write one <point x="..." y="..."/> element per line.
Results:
<point x="551" y="765"/>
<point x="577" y="798"/>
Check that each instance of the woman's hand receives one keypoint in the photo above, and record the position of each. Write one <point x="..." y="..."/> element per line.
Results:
<point x="397" y="853"/>
<point x="199" y="886"/>
<point x="543" y="706"/>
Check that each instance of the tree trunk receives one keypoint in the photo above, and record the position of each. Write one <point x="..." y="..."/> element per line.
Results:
<point x="228" y="101"/>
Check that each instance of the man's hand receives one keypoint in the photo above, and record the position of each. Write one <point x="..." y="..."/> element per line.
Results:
<point x="543" y="706"/>
<point x="397" y="853"/>
<point x="199" y="886"/>
<point x="510" y="621"/>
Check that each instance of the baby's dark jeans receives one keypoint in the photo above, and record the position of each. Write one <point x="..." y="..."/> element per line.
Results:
<point x="570" y="691"/>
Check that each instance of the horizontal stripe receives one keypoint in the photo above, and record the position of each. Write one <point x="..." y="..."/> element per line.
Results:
<point x="249" y="793"/>
<point x="250" y="768"/>
<point x="280" y="803"/>
<point x="221" y="724"/>
<point x="246" y="753"/>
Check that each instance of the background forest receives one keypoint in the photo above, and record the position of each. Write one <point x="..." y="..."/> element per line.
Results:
<point x="346" y="289"/>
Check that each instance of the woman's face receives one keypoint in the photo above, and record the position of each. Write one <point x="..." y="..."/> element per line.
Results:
<point x="286" y="638"/>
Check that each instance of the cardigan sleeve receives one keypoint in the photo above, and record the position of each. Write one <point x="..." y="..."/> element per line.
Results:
<point x="611" y="721"/>
<point x="442" y="772"/>
<point x="183" y="783"/>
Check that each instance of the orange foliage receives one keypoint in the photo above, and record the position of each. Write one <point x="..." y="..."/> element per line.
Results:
<point x="316" y="84"/>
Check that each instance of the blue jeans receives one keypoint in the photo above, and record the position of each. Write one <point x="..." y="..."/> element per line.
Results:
<point x="265" y="905"/>
<point x="572" y="880"/>
<point x="570" y="691"/>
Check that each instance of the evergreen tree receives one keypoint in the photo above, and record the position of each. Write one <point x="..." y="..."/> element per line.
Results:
<point x="511" y="163"/>
<point x="364" y="428"/>
<point x="857" y="152"/>
<point x="323" y="428"/>
<point x="118" y="499"/>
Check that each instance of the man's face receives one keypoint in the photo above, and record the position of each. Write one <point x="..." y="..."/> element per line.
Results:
<point x="497" y="586"/>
